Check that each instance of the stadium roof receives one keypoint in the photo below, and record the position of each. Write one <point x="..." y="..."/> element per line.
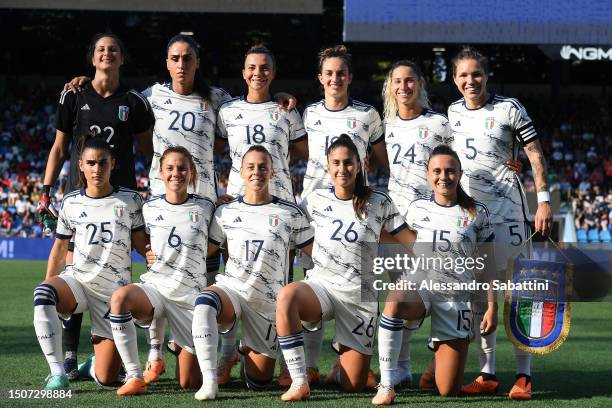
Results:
<point x="201" y="6"/>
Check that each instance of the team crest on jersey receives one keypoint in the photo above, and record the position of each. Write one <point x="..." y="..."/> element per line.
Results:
<point x="463" y="221"/>
<point x="273" y="221"/>
<point x="423" y="132"/>
<point x="489" y="123"/>
<point x="119" y="211"/>
<point x="194" y="215"/>
<point x="275" y="116"/>
<point x="351" y="123"/>
<point x="124" y="112"/>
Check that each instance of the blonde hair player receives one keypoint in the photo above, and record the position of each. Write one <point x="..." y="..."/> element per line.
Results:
<point x="488" y="129"/>
<point x="258" y="230"/>
<point x="435" y="219"/>
<point x="348" y="219"/>
<point x="412" y="131"/>
<point x="106" y="222"/>
<point x="178" y="225"/>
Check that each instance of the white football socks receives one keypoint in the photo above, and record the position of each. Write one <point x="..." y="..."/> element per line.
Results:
<point x="126" y="341"/>
<point x="389" y="343"/>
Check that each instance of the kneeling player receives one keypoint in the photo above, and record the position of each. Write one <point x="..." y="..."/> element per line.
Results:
<point x="259" y="230"/>
<point x="455" y="224"/>
<point x="348" y="220"/>
<point x="178" y="225"/>
<point x="106" y="223"/>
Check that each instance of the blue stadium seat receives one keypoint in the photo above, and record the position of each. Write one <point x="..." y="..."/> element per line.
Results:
<point x="593" y="235"/>
<point x="582" y="236"/>
<point x="604" y="236"/>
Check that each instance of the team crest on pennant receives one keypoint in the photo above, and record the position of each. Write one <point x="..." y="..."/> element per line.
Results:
<point x="273" y="221"/>
<point x="119" y="211"/>
<point x="351" y="123"/>
<point x="194" y="215"/>
<point x="489" y="123"/>
<point x="275" y="116"/>
<point x="537" y="320"/>
<point x="423" y="132"/>
<point x="124" y="112"/>
<point x="463" y="221"/>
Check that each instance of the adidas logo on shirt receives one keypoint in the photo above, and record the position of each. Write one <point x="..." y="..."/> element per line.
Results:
<point x="329" y="208"/>
<point x="168" y="102"/>
<point x="159" y="218"/>
<point x="458" y="123"/>
<point x="425" y="219"/>
<point x="318" y="123"/>
<point x="83" y="215"/>
<point x="85" y="107"/>
<point x="239" y="116"/>
<point x="237" y="220"/>
<point x="390" y="135"/>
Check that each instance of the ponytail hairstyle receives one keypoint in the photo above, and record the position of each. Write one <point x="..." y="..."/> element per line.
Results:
<point x="463" y="199"/>
<point x="337" y="51"/>
<point x="261" y="49"/>
<point x="468" y="52"/>
<point x="361" y="194"/>
<point x="199" y="84"/>
<point x="92" y="141"/>
<point x="260" y="149"/>
<point x="184" y="152"/>
<point x="389" y="102"/>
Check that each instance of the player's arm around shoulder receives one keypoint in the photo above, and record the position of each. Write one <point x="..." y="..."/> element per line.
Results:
<point x="57" y="257"/>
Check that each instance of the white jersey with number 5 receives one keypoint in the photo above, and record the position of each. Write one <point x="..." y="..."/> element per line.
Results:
<point x="358" y="120"/>
<point x="485" y="139"/>
<point x="259" y="238"/>
<point x="179" y="239"/>
<point x="102" y="229"/>
<point x="409" y="144"/>
<point x="245" y="124"/>
<point x="188" y="121"/>
<point x="343" y="242"/>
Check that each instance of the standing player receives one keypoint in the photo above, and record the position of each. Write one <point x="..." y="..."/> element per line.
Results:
<point x="106" y="222"/>
<point x="119" y="115"/>
<point x="348" y="220"/>
<point x="488" y="129"/>
<point x="458" y="223"/>
<point x="259" y="229"/>
<point x="335" y="114"/>
<point x="256" y="119"/>
<point x="178" y="225"/>
<point x="338" y="114"/>
<point x="412" y="131"/>
<point x="185" y="111"/>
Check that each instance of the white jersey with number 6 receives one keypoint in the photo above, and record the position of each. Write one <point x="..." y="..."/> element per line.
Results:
<point x="102" y="229"/>
<point x="485" y="139"/>
<point x="188" y="121"/>
<point x="245" y="124"/>
<point x="358" y="120"/>
<point x="343" y="242"/>
<point x="409" y="144"/>
<point x="259" y="238"/>
<point x="179" y="239"/>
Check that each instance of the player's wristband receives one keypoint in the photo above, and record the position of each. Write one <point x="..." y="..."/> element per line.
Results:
<point x="543" y="196"/>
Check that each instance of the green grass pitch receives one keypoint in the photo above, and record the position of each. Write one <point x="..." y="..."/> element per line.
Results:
<point x="579" y="374"/>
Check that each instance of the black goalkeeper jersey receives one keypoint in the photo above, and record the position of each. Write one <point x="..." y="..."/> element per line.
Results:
<point x="117" y="118"/>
